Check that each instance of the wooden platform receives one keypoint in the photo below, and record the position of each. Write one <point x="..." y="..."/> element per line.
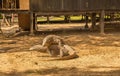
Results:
<point x="13" y="11"/>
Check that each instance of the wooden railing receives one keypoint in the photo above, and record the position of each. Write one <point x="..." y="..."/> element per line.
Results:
<point x="8" y="4"/>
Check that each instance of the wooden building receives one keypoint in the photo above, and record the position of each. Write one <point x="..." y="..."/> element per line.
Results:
<point x="14" y="4"/>
<point x="17" y="6"/>
<point x="28" y="8"/>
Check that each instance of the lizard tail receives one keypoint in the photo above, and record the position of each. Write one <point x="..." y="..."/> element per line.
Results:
<point x="64" y="58"/>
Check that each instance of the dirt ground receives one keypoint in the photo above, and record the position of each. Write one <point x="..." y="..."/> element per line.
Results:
<point x="99" y="55"/>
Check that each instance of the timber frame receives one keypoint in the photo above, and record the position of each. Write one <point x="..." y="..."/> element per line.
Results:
<point x="25" y="7"/>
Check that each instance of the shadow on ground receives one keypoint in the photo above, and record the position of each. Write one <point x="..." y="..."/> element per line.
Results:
<point x="73" y="71"/>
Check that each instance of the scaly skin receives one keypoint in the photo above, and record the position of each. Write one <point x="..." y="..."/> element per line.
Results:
<point x="54" y="45"/>
<point x="67" y="53"/>
<point x="52" y="40"/>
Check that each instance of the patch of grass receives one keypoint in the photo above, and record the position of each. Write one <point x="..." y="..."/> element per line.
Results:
<point x="75" y="17"/>
<point x="59" y="18"/>
<point x="41" y="19"/>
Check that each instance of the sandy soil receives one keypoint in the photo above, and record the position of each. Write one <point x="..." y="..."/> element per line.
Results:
<point x="99" y="55"/>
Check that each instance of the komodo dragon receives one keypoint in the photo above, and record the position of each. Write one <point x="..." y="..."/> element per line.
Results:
<point x="55" y="46"/>
<point x="66" y="51"/>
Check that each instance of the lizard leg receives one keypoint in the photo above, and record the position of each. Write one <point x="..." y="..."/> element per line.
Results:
<point x="70" y="49"/>
<point x="49" y="52"/>
<point x="61" y="52"/>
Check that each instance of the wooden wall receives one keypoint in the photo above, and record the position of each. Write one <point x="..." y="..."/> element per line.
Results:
<point x="24" y="4"/>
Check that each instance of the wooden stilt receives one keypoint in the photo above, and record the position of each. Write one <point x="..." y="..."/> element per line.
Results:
<point x="31" y="25"/>
<point x="65" y="19"/>
<point x="93" y="18"/>
<point x="34" y="21"/>
<point x="82" y="17"/>
<point x="48" y="20"/>
<point x="69" y="19"/>
<point x="102" y="22"/>
<point x="86" y="22"/>
<point x="36" y="28"/>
